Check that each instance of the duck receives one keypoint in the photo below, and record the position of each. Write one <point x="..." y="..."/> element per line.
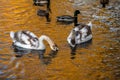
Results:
<point x="80" y="34"/>
<point x="28" y="40"/>
<point x="40" y="2"/>
<point x="104" y="2"/>
<point x="45" y="13"/>
<point x="67" y="18"/>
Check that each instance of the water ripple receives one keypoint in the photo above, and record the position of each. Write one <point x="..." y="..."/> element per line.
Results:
<point x="10" y="68"/>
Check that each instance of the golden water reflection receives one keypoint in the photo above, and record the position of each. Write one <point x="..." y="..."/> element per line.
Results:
<point x="87" y="62"/>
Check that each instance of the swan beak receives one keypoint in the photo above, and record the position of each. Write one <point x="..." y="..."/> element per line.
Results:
<point x="55" y="48"/>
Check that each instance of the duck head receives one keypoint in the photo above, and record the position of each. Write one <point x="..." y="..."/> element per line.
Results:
<point x="76" y="12"/>
<point x="104" y="2"/>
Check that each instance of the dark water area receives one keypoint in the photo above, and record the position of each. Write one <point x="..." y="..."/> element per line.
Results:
<point x="96" y="60"/>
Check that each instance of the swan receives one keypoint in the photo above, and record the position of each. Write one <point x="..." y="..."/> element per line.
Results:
<point x="40" y="2"/>
<point x="80" y="34"/>
<point x="28" y="40"/>
<point x="67" y="18"/>
<point x="104" y="2"/>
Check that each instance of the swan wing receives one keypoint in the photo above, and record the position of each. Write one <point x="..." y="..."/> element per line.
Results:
<point x="30" y="38"/>
<point x="25" y="38"/>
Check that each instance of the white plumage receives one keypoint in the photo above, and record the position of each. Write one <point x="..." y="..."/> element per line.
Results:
<point x="80" y="34"/>
<point x="29" y="40"/>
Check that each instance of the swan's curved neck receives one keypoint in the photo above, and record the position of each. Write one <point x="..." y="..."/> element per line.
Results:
<point x="42" y="38"/>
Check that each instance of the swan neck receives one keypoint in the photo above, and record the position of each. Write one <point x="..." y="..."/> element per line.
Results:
<point x="46" y="38"/>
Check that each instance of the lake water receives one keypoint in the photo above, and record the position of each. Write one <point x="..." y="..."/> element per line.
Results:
<point x="96" y="60"/>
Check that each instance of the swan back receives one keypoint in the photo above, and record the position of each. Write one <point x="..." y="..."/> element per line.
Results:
<point x="26" y="38"/>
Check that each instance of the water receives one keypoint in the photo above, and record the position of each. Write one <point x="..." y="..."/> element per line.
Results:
<point x="98" y="60"/>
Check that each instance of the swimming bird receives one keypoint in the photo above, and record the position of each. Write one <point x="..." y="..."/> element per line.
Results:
<point x="40" y="2"/>
<point x="45" y="13"/>
<point x="67" y="18"/>
<point x="104" y="2"/>
<point x="28" y="40"/>
<point x="80" y="34"/>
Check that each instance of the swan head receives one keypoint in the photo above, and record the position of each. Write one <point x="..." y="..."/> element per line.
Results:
<point x="72" y="38"/>
<point x="54" y="47"/>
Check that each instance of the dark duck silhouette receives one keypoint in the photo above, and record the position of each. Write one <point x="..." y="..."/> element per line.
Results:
<point x="67" y="19"/>
<point x="104" y="2"/>
<point x="45" y="13"/>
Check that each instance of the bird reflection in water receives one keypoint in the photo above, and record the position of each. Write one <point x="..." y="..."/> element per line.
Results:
<point x="83" y="45"/>
<point x="11" y="68"/>
<point x="46" y="59"/>
<point x="19" y="52"/>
